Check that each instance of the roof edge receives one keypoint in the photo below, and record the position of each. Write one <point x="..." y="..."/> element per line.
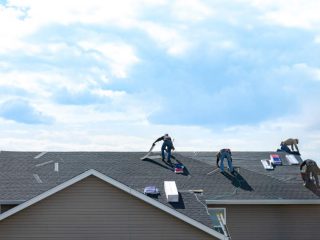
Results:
<point x="266" y="202"/>
<point x="93" y="172"/>
<point x="11" y="202"/>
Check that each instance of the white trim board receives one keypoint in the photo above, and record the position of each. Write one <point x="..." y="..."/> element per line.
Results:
<point x="121" y="186"/>
<point x="266" y="202"/>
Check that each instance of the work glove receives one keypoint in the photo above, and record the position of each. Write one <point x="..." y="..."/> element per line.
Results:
<point x="153" y="144"/>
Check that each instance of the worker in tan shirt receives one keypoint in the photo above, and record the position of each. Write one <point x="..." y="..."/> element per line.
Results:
<point x="293" y="142"/>
<point x="310" y="172"/>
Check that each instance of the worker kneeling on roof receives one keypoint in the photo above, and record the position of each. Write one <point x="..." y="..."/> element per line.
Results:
<point x="167" y="145"/>
<point x="311" y="168"/>
<point x="221" y="155"/>
<point x="293" y="142"/>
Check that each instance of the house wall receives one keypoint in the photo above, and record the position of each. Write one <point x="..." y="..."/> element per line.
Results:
<point x="273" y="221"/>
<point x="93" y="209"/>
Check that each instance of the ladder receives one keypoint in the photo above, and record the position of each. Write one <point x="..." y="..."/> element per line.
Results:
<point x="223" y="225"/>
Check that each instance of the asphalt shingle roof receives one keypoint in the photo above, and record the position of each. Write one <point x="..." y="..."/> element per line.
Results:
<point x="19" y="171"/>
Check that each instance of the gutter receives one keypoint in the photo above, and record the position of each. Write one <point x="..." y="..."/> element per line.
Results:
<point x="266" y="202"/>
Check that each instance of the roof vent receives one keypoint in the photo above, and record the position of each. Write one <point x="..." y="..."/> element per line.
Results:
<point x="171" y="191"/>
<point x="56" y="167"/>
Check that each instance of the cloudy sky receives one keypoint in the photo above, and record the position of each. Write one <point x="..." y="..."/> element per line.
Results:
<point x="115" y="75"/>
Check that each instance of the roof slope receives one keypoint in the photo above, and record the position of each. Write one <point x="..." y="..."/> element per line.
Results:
<point x="119" y="185"/>
<point x="23" y="177"/>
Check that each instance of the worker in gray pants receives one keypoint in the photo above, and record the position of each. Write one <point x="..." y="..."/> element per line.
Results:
<point x="221" y="155"/>
<point x="166" y="146"/>
<point x="311" y="171"/>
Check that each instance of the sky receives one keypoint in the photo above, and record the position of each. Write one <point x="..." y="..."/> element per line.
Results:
<point x="104" y="75"/>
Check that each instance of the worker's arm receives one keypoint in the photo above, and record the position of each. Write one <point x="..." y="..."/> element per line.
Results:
<point x="159" y="139"/>
<point x="218" y="158"/>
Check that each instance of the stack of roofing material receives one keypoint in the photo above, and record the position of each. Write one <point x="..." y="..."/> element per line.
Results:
<point x="151" y="190"/>
<point x="171" y="191"/>
<point x="292" y="159"/>
<point x="178" y="168"/>
<point x="267" y="164"/>
<point x="275" y="159"/>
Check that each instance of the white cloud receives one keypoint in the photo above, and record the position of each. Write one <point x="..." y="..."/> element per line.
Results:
<point x="302" y="70"/>
<point x="22" y="18"/>
<point x="13" y="30"/>
<point x="123" y="124"/>
<point x="168" y="38"/>
<point x="268" y="135"/>
<point x="313" y="72"/>
<point x="289" y="13"/>
<point x="191" y="10"/>
<point x="109" y="93"/>
<point x="120" y="13"/>
<point x="136" y="135"/>
<point x="120" y="56"/>
<point x="38" y="14"/>
<point x="68" y="12"/>
<point x="39" y="84"/>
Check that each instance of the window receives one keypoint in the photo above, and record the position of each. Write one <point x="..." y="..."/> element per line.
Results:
<point x="218" y="218"/>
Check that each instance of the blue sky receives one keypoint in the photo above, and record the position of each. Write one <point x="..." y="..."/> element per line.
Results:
<point x="105" y="75"/>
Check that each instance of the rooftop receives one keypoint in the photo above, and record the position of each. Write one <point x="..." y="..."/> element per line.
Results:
<point x="24" y="175"/>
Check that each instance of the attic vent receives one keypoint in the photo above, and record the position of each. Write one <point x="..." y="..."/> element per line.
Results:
<point x="171" y="191"/>
<point x="40" y="155"/>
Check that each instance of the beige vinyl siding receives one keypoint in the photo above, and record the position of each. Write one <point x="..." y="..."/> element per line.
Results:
<point x="93" y="209"/>
<point x="273" y="221"/>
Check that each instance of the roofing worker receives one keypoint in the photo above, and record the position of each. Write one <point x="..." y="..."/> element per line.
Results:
<point x="221" y="155"/>
<point x="167" y="145"/>
<point x="290" y="142"/>
<point x="311" y="169"/>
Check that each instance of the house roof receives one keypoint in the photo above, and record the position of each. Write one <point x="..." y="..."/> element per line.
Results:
<point x="25" y="175"/>
<point x="119" y="185"/>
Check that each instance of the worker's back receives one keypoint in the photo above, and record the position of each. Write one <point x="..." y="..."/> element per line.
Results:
<point x="291" y="141"/>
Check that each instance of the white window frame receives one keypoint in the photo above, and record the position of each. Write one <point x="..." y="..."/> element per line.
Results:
<point x="224" y="212"/>
<point x="222" y="224"/>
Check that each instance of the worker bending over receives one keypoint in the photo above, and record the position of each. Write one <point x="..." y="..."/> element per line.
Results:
<point x="311" y="168"/>
<point x="167" y="145"/>
<point x="221" y="155"/>
<point x="290" y="142"/>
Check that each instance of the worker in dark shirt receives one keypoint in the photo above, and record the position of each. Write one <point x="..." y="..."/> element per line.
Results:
<point x="166" y="146"/>
<point x="311" y="169"/>
<point x="292" y="142"/>
<point x="221" y="155"/>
